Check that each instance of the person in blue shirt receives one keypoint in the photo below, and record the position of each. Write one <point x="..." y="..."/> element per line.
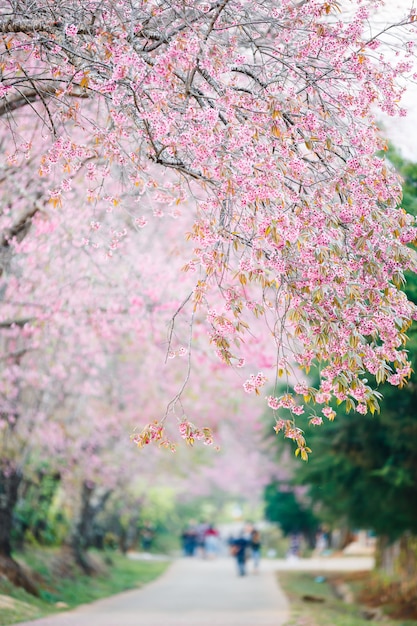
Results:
<point x="239" y="548"/>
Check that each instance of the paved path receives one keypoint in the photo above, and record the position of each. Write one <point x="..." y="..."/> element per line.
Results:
<point x="194" y="592"/>
<point x="191" y="593"/>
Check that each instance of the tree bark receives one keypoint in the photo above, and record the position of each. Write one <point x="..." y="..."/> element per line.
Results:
<point x="10" y="480"/>
<point x="9" y="485"/>
<point x="78" y="543"/>
<point x="408" y="557"/>
<point x="386" y="555"/>
<point x="80" y="539"/>
<point x="398" y="557"/>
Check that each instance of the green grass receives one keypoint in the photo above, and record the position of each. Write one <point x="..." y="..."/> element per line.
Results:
<point x="16" y="605"/>
<point x="331" y="612"/>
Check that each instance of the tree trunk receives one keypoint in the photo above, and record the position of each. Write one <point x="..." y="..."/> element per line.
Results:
<point x="132" y="533"/>
<point x="9" y="484"/>
<point x="123" y="540"/>
<point x="80" y="539"/>
<point x="398" y="557"/>
<point x="129" y="534"/>
<point x="397" y="561"/>
<point x="78" y="544"/>
<point x="408" y="557"/>
<point x="386" y="556"/>
<point x="310" y="538"/>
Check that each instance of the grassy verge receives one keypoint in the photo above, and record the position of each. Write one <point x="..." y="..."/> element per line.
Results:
<point x="314" y="603"/>
<point x="58" y="593"/>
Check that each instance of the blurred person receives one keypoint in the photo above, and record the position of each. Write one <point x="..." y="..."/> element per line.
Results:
<point x="255" y="546"/>
<point x="189" y="540"/>
<point x="201" y="539"/>
<point x="295" y="545"/>
<point x="211" y="542"/>
<point x="239" y="549"/>
<point x="322" y="543"/>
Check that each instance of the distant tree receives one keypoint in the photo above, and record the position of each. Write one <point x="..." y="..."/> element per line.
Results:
<point x="377" y="455"/>
<point x="367" y="474"/>
<point x="408" y="171"/>
<point x="363" y="470"/>
<point x="293" y="515"/>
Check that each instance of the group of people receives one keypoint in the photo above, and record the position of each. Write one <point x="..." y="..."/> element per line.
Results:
<point x="204" y="540"/>
<point x="201" y="539"/>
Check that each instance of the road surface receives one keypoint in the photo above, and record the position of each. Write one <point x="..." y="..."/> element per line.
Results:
<point x="196" y="592"/>
<point x="192" y="592"/>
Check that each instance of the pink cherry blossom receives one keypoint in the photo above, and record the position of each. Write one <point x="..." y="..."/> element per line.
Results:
<point x="269" y="159"/>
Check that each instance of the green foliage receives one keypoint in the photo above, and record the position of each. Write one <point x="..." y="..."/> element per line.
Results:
<point x="363" y="469"/>
<point x="123" y="574"/>
<point x="273" y="541"/>
<point x="283" y="507"/>
<point x="408" y="171"/>
<point x="169" y="515"/>
<point x="35" y="519"/>
<point x="163" y="514"/>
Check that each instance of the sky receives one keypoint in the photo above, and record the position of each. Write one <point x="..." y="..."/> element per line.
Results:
<point x="402" y="131"/>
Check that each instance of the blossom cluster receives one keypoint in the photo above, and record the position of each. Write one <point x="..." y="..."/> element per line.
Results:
<point x="254" y="383"/>
<point x="191" y="433"/>
<point x="274" y="152"/>
<point x="152" y="433"/>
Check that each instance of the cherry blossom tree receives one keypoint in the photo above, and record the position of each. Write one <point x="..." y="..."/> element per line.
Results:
<point x="83" y="344"/>
<point x="257" y="120"/>
<point x="63" y="334"/>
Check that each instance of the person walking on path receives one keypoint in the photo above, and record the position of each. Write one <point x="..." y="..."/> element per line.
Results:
<point x="240" y="552"/>
<point x="255" y="546"/>
<point x="211" y="542"/>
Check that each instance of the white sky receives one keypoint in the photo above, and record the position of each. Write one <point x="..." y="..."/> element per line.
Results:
<point x="402" y="131"/>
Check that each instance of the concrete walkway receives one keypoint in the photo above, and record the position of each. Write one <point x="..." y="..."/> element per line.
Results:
<point x="192" y="592"/>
